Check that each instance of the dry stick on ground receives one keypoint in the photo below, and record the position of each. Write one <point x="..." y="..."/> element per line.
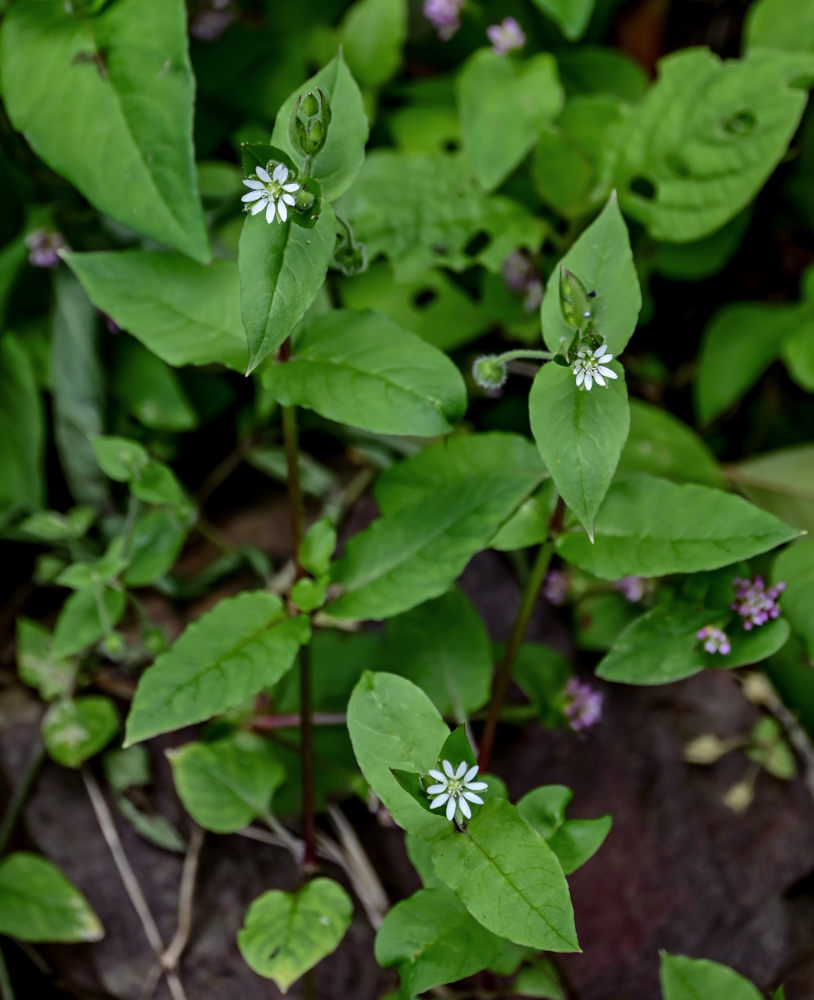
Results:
<point x="128" y="878"/>
<point x="186" y="898"/>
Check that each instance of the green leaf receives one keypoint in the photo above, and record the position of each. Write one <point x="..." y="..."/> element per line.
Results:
<point x="572" y="16"/>
<point x="580" y="435"/>
<point x="503" y="104"/>
<point x="37" y="903"/>
<point x="574" y="841"/>
<point x="317" y="547"/>
<point x="798" y="351"/>
<point x="685" y="978"/>
<point x="541" y="980"/>
<point x="599" y="619"/>
<point x="184" y="312"/>
<point x="795" y="567"/>
<point x="602" y="259"/>
<point x="529" y="525"/>
<point x="439" y="509"/>
<point x="282" y="267"/>
<point x="242" y="645"/>
<point x="780" y="24"/>
<point x="433" y="940"/>
<point x="360" y="368"/>
<point x="651" y="527"/>
<point x="75" y="730"/>
<point x="753" y="646"/>
<point x="78" y="389"/>
<point x="149" y="390"/>
<point x="443" y="647"/>
<point x="706" y="137"/>
<point x="738" y="346"/>
<point x="770" y="750"/>
<point x="155" y="544"/>
<point x="119" y="458"/>
<point x="661" y="445"/>
<point x="22" y="430"/>
<point x="226" y="784"/>
<point x="373" y="33"/>
<point x="424" y="209"/>
<point x="107" y="102"/>
<point x="780" y="481"/>
<point x="80" y="623"/>
<point x="128" y="774"/>
<point x="286" y="933"/>
<point x="340" y="159"/>
<point x="393" y="724"/>
<point x="509" y="879"/>
<point x="52" y="676"/>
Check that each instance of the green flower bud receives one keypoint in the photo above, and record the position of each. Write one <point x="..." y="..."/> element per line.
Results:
<point x="489" y="372"/>
<point x="574" y="300"/>
<point x="308" y="125"/>
<point x="309" y="105"/>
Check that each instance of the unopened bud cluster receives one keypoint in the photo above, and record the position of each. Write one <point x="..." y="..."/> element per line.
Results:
<point x="308" y="126"/>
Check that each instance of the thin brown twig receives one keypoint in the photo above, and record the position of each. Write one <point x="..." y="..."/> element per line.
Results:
<point x="186" y="899"/>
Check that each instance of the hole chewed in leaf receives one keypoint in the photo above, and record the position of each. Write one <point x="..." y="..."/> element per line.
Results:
<point x="479" y="242"/>
<point x="425" y="297"/>
<point x="741" y="124"/>
<point x="643" y="187"/>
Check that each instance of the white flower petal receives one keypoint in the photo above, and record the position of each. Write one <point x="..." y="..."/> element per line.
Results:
<point x="270" y="211"/>
<point x="293" y="186"/>
<point x="253" y="196"/>
<point x="477" y="786"/>
<point x="464" y="807"/>
<point x="470" y="774"/>
<point x="287" y="199"/>
<point x="598" y="379"/>
<point x="437" y="789"/>
<point x="600" y="350"/>
<point x="461" y="769"/>
<point x="280" y="173"/>
<point x="438" y="775"/>
<point x="250" y="182"/>
<point x="580" y="376"/>
<point x="589" y="380"/>
<point x="282" y="211"/>
<point x="451" y="807"/>
<point x="473" y="798"/>
<point x="439" y="801"/>
<point x="605" y="359"/>
<point x="258" y="206"/>
<point x="608" y="372"/>
<point x="448" y="768"/>
<point x="263" y="174"/>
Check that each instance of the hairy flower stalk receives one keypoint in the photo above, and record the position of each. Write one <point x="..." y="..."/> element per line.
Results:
<point x="270" y="191"/>
<point x="456" y="788"/>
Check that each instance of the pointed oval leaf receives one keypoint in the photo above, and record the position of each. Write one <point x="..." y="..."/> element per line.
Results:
<point x="651" y="527"/>
<point x="393" y="724"/>
<point x="184" y="312"/>
<point x="580" y="435"/>
<point x="286" y="933"/>
<point x="74" y="731"/>
<point x="282" y="267"/>
<point x="242" y="645"/>
<point x="509" y="879"/>
<point x="226" y="784"/>
<point x="684" y="978"/>
<point x="37" y="903"/>
<point x="106" y="100"/>
<point x="362" y="369"/>
<point x="603" y="261"/>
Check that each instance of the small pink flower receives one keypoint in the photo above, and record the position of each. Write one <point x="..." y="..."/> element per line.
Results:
<point x="754" y="603"/>
<point x="444" y="15"/>
<point x="555" y="588"/>
<point x="583" y="705"/>
<point x="43" y="247"/>
<point x="506" y="36"/>
<point x="715" y="640"/>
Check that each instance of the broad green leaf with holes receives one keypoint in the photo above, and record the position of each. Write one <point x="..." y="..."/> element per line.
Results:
<point x="580" y="435"/>
<point x="393" y="724"/>
<point x="282" y="267"/>
<point x="184" y="312"/>
<point x="106" y="100"/>
<point x="360" y="368"/>
<point x="508" y="878"/>
<point x="232" y="652"/>
<point x="227" y="783"/>
<point x="651" y="527"/>
<point x="684" y="978"/>
<point x="75" y="730"/>
<point x="286" y="933"/>
<point x="432" y="939"/>
<point x="602" y="260"/>
<point x="503" y="104"/>
<point x="340" y="159"/>
<point x="705" y="138"/>
<point x="439" y="508"/>
<point x="37" y="903"/>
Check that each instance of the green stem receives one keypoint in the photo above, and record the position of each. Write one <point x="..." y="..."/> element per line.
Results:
<point x="294" y="492"/>
<point x="12" y="813"/>
<point x="525" y="355"/>
<point x="6" y="989"/>
<point x="504" y="673"/>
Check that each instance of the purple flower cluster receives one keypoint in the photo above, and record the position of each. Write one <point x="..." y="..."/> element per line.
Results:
<point x="583" y="705"/>
<point x="715" y="639"/>
<point x="754" y="603"/>
<point x="43" y="247"/>
<point x="634" y="588"/>
<point x="506" y="36"/>
<point x="211" y="18"/>
<point x="522" y="278"/>
<point x="445" y="16"/>
<point x="555" y="588"/>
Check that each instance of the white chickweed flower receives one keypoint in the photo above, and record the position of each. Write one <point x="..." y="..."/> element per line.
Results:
<point x="454" y="787"/>
<point x="270" y="191"/>
<point x="590" y="366"/>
